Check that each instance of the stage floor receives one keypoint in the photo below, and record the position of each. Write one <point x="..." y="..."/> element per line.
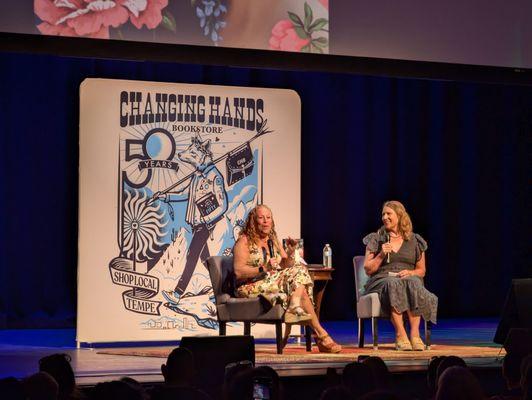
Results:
<point x="471" y="339"/>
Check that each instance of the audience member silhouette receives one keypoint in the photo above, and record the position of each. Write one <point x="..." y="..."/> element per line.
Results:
<point x="526" y="377"/>
<point x="12" y="388"/>
<point x="358" y="379"/>
<point x="137" y="386"/>
<point x="380" y="372"/>
<point x="448" y="378"/>
<point x="333" y="378"/>
<point x="232" y="370"/>
<point x="253" y="383"/>
<point x="338" y="392"/>
<point x="115" y="390"/>
<point x="458" y="383"/>
<point x="179" y="374"/>
<point x="58" y="365"/>
<point x="447" y="362"/>
<point x="273" y="377"/>
<point x="380" y="395"/>
<point x="41" y="386"/>
<point x="432" y="374"/>
<point x="511" y="372"/>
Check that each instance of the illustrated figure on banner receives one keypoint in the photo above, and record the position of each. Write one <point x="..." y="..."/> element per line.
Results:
<point x="206" y="201"/>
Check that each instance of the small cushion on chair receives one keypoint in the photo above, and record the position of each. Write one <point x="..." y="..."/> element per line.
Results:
<point x="369" y="306"/>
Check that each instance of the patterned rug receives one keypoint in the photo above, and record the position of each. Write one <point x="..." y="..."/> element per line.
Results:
<point x="293" y="354"/>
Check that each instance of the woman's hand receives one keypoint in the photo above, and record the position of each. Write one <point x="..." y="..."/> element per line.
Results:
<point x="290" y="246"/>
<point x="272" y="265"/>
<point x="405" y="272"/>
<point x="386" y="248"/>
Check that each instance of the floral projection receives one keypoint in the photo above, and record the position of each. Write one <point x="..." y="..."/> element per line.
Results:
<point x="94" y="18"/>
<point x="286" y="25"/>
<point x="300" y="33"/>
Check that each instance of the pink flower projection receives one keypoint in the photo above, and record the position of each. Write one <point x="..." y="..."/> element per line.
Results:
<point x="301" y="33"/>
<point x="284" y="37"/>
<point x="151" y="16"/>
<point x="92" y="18"/>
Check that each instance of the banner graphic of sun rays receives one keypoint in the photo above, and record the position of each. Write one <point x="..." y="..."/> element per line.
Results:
<point x="143" y="226"/>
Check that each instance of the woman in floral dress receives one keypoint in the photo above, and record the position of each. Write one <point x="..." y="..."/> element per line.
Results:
<point x="276" y="277"/>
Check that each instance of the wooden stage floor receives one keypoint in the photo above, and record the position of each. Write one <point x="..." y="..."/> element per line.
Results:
<point x="20" y="351"/>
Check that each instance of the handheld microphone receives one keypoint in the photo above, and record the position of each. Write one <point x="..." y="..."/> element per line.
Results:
<point x="270" y="247"/>
<point x="387" y="235"/>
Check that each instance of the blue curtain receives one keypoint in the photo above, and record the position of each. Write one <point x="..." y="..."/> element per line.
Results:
<point x="456" y="154"/>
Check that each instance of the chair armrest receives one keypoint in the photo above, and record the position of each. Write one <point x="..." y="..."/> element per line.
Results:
<point x="222" y="298"/>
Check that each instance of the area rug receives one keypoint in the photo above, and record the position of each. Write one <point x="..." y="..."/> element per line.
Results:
<point x="266" y="354"/>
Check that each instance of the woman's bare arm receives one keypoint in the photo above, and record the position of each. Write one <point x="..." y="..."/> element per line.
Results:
<point x="373" y="261"/>
<point x="241" y="260"/>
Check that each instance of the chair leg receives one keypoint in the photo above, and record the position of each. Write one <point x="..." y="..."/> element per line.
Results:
<point x="374" y="332"/>
<point x="308" y="338"/>
<point x="428" y="331"/>
<point x="247" y="328"/>
<point x="361" y="332"/>
<point x="222" y="328"/>
<point x="279" y="337"/>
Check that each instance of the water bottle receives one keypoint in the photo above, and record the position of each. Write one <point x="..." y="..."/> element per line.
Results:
<point x="327" y="256"/>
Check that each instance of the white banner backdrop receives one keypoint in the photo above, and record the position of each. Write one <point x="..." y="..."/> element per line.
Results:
<point x="167" y="175"/>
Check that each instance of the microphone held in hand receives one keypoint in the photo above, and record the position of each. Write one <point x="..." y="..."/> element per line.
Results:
<point x="270" y="247"/>
<point x="264" y="254"/>
<point x="388" y="240"/>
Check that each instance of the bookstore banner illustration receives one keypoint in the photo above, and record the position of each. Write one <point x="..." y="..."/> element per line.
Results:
<point x="167" y="176"/>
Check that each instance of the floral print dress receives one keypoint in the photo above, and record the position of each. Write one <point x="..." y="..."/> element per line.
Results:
<point x="278" y="285"/>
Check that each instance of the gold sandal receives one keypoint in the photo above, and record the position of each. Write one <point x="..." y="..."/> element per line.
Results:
<point x="417" y="343"/>
<point x="295" y="315"/>
<point x="331" y="347"/>
<point x="403" y="344"/>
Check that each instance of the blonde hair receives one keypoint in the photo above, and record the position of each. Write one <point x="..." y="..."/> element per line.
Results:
<point x="250" y="227"/>
<point x="404" y="225"/>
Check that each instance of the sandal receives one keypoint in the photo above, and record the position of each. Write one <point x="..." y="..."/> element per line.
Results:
<point x="417" y="343"/>
<point x="326" y="344"/>
<point x="295" y="315"/>
<point x="403" y="344"/>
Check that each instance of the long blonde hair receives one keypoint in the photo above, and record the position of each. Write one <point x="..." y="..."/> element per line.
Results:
<point x="404" y="225"/>
<point x="250" y="227"/>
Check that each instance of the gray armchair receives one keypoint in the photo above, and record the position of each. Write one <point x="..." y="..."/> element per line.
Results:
<point x="369" y="306"/>
<point x="247" y="310"/>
